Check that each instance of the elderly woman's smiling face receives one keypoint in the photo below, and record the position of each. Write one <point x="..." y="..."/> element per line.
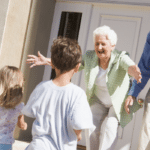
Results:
<point x="103" y="47"/>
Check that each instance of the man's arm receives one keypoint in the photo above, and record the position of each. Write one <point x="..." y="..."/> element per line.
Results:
<point x="144" y="65"/>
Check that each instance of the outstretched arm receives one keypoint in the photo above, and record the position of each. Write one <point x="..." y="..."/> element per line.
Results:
<point x="21" y="123"/>
<point x="135" y="72"/>
<point x="38" y="60"/>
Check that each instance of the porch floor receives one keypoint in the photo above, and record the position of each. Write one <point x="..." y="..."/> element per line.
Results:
<point x="21" y="145"/>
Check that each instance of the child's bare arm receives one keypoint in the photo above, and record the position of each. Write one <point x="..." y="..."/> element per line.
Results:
<point x="21" y="123"/>
<point x="78" y="133"/>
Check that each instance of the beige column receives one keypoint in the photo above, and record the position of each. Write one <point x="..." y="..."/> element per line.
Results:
<point x="27" y="30"/>
<point x="20" y="32"/>
<point x="29" y="46"/>
<point x="37" y="38"/>
<point x="15" y="32"/>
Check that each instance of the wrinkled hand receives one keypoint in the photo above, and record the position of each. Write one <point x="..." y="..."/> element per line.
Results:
<point x="129" y="102"/>
<point x="36" y="60"/>
<point x="135" y="72"/>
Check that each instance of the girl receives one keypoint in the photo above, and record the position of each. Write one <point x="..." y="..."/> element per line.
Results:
<point x="11" y="92"/>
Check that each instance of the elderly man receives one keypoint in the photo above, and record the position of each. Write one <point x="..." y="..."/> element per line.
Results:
<point x="144" y="65"/>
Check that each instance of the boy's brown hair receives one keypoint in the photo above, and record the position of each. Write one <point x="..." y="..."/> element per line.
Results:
<point x="65" y="54"/>
<point x="11" y="86"/>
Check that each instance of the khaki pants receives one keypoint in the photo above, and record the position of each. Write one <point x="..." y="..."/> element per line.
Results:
<point x="144" y="140"/>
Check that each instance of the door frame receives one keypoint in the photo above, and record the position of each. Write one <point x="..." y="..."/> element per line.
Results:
<point x="86" y="10"/>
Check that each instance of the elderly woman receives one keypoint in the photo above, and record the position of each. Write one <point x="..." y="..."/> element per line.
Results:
<point x="107" y="83"/>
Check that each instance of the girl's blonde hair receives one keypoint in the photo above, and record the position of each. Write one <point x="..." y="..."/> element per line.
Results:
<point x="11" y="86"/>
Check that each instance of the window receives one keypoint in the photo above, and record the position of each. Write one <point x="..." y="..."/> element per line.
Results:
<point x="69" y="27"/>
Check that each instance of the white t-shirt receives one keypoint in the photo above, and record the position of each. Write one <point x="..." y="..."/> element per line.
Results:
<point x="58" y="110"/>
<point x="8" y="121"/>
<point x="101" y="90"/>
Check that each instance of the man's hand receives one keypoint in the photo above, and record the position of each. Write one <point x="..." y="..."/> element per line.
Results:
<point x="135" y="72"/>
<point x="129" y="102"/>
<point x="38" y="60"/>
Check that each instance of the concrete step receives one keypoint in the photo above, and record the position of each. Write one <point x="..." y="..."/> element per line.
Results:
<point x="21" y="145"/>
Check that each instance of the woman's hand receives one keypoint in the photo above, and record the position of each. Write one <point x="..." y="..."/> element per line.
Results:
<point x="38" y="60"/>
<point x="135" y="72"/>
<point x="129" y="102"/>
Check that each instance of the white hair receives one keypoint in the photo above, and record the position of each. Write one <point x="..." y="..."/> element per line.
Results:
<point x="106" y="31"/>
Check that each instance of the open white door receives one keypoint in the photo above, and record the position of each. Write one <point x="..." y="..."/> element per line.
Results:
<point x="131" y="25"/>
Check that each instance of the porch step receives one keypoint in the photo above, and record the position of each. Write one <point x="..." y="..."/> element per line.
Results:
<point x="21" y="145"/>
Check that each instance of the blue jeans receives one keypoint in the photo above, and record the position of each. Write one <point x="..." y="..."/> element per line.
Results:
<point x="5" y="146"/>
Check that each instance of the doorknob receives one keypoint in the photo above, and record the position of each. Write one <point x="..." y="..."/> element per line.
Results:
<point x="140" y="102"/>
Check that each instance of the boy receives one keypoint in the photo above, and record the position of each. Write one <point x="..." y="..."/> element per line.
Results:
<point x="60" y="107"/>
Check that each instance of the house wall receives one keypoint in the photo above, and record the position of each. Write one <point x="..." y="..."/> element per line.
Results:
<point x="37" y="39"/>
<point x="14" y="34"/>
<point x="25" y="29"/>
<point x="3" y="12"/>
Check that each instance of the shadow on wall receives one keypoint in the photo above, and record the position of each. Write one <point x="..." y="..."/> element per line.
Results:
<point x="37" y="40"/>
